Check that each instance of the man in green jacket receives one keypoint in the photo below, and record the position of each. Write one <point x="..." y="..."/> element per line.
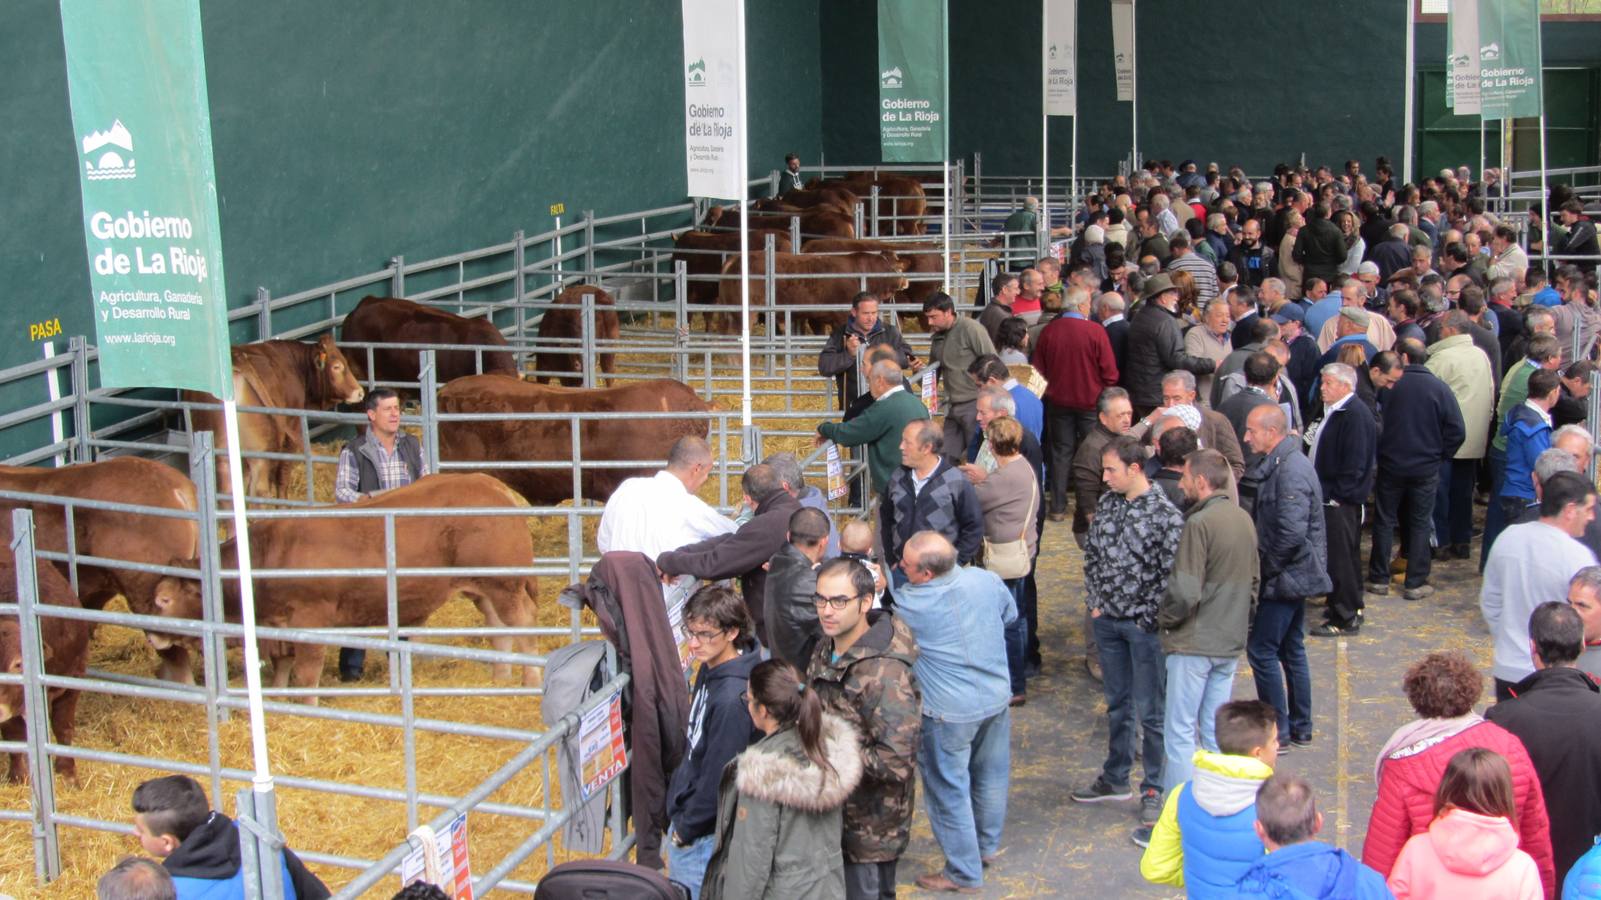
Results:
<point x="880" y="426"/>
<point x="1206" y="612"/>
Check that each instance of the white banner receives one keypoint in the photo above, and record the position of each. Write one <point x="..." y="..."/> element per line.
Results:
<point x="1123" y="47"/>
<point x="1061" y="58"/>
<point x="1462" y="63"/>
<point x="712" y="127"/>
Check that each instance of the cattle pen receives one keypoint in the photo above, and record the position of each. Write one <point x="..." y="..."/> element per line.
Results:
<point x="377" y="750"/>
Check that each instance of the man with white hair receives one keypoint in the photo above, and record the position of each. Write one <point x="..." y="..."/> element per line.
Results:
<point x="1109" y="309"/>
<point x="1392" y="254"/>
<point x="1219" y="236"/>
<point x="1429" y="220"/>
<point x="1344" y="451"/>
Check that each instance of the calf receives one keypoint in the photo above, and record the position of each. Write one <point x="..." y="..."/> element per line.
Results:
<point x="442" y="541"/>
<point x="561" y="327"/>
<point x="66" y="652"/>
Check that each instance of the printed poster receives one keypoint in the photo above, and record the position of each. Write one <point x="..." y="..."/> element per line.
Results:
<point x="602" y="755"/>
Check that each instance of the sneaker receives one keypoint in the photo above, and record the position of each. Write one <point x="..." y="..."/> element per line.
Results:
<point x="1150" y="807"/>
<point x="1378" y="588"/>
<point x="1099" y="791"/>
<point x="1301" y="743"/>
<point x="1329" y="629"/>
<point x="1142" y="836"/>
<point x="1093" y="667"/>
<point x="1420" y="592"/>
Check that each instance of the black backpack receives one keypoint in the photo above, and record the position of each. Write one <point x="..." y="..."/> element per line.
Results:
<point x="606" y="879"/>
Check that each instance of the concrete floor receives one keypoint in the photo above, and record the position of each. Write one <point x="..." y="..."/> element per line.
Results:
<point x="1057" y="848"/>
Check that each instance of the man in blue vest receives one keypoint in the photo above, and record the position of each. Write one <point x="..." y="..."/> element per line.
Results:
<point x="381" y="460"/>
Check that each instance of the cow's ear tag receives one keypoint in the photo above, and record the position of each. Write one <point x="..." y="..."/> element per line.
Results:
<point x="322" y="360"/>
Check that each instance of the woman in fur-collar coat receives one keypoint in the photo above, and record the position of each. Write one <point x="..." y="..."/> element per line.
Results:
<point x="780" y="807"/>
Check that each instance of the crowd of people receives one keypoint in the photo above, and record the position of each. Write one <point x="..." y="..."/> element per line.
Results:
<point x="1221" y="388"/>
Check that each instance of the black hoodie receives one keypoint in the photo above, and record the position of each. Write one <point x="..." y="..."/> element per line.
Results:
<point x="211" y="853"/>
<point x="719" y="728"/>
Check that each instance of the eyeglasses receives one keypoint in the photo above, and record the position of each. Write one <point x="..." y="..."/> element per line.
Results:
<point x="703" y="636"/>
<point x="840" y="602"/>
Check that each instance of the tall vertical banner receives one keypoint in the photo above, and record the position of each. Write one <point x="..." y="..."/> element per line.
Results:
<point x="1462" y="57"/>
<point x="1061" y="58"/>
<point x="1123" y="47"/>
<point x="713" y="130"/>
<point x="912" y="73"/>
<point x="136" y="75"/>
<point x="1509" y="59"/>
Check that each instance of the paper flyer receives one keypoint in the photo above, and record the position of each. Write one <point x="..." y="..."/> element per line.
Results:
<point x="930" y="382"/>
<point x="601" y="753"/>
<point x="836" y="472"/>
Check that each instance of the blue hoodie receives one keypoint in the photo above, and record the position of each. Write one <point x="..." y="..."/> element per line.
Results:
<point x="1312" y="871"/>
<point x="1528" y="435"/>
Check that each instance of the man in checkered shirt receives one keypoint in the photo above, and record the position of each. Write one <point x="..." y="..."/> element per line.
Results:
<point x="381" y="460"/>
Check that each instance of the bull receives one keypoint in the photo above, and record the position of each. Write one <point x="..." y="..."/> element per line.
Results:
<point x="561" y="327"/>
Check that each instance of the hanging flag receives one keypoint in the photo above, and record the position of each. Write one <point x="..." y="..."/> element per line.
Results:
<point x="1509" y="59"/>
<point x="1123" y="47"/>
<point x="912" y="95"/>
<point x="713" y="128"/>
<point x="1061" y="58"/>
<point x="136" y="78"/>
<point x="1462" y="60"/>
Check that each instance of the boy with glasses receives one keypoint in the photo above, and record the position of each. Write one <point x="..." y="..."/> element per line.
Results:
<point x="720" y="639"/>
<point x="862" y="668"/>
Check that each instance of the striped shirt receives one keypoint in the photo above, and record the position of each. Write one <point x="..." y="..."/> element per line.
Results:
<point x="391" y="472"/>
<point x="1203" y="272"/>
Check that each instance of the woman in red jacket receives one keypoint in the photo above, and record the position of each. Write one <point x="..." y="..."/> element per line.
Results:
<point x="1442" y="688"/>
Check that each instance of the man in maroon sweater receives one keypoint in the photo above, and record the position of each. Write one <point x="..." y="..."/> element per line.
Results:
<point x="1075" y="357"/>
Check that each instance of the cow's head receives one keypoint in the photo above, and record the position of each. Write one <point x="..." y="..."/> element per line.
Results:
<point x="11" y="662"/>
<point x="336" y="378"/>
<point x="176" y="598"/>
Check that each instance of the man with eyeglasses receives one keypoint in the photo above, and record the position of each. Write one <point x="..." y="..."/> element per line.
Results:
<point x="862" y="668"/>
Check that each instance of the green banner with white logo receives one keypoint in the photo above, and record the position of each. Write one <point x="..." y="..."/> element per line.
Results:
<point x="912" y="75"/>
<point x="136" y="75"/>
<point x="1509" y="59"/>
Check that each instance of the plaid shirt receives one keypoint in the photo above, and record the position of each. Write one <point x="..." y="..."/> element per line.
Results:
<point x="391" y="472"/>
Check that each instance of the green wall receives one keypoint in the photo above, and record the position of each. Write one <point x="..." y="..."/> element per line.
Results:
<point x="346" y="133"/>
<point x="1257" y="102"/>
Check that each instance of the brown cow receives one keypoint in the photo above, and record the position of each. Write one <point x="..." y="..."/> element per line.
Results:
<point x="900" y="196"/>
<point x="563" y="324"/>
<point x="819" y="222"/>
<point x="883" y="278"/>
<point x="153" y="540"/>
<point x="66" y="651"/>
<point x="442" y="541"/>
<point x="842" y="199"/>
<point x="551" y="441"/>
<point x="281" y="375"/>
<point x="923" y="260"/>
<point x="710" y="265"/>
<point x="392" y="320"/>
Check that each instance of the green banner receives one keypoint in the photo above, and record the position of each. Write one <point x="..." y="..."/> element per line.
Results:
<point x="136" y="74"/>
<point x="1509" y="59"/>
<point x="913" y="95"/>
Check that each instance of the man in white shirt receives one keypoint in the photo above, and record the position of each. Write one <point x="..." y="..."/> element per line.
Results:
<point x="1530" y="564"/>
<point x="660" y="513"/>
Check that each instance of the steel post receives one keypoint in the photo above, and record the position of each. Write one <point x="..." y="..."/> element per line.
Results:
<point x="588" y="361"/>
<point x="203" y="471"/>
<point x="794" y="234"/>
<point x="397" y="279"/>
<point x="36" y="701"/>
<point x="81" y="449"/>
<point x="680" y="319"/>
<point x="770" y="284"/>
<point x="391" y="598"/>
<point x="428" y="375"/>
<point x="258" y="826"/>
<point x="589" y="247"/>
<point x="520" y="289"/>
<point x="263" y="314"/>
<point x="408" y="712"/>
<point x="873" y="199"/>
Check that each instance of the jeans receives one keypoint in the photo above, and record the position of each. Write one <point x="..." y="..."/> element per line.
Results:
<point x="1196" y="687"/>
<point x="687" y="865"/>
<point x="1494" y="521"/>
<point x="1388" y="492"/>
<point x="1064" y="428"/>
<point x="1017" y="640"/>
<point x="1453" y="502"/>
<point x="966" y="769"/>
<point x="1135" y="684"/>
<point x="870" y="881"/>
<point x="1029" y="608"/>
<point x="1278" y="641"/>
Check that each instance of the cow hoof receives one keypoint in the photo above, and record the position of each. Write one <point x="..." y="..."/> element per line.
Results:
<point x="500" y="672"/>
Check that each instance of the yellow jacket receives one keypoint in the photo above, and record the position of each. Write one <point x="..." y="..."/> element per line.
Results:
<point x="1223" y="787"/>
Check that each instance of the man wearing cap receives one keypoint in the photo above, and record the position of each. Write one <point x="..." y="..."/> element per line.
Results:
<point x="1379" y="331"/>
<point x="1350" y="327"/>
<point x="1302" y="368"/>
<point x="1156" y="345"/>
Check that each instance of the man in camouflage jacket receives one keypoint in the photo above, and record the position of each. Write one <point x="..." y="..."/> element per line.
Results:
<point x="870" y="684"/>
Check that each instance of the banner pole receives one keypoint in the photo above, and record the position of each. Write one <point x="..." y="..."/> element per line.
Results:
<point x="1408" y="80"/>
<point x="1506" y="178"/>
<point x="744" y="244"/>
<point x="1045" y="114"/>
<point x="1134" y="87"/>
<point x="945" y="155"/>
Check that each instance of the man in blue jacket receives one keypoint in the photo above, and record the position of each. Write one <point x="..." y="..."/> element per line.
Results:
<point x="1297" y="867"/>
<point x="1294" y="560"/>
<point x="1344" y="448"/>
<point x="1422" y="427"/>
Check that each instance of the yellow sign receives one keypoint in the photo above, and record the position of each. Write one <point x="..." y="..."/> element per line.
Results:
<point x="557" y="209"/>
<point x="39" y="331"/>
